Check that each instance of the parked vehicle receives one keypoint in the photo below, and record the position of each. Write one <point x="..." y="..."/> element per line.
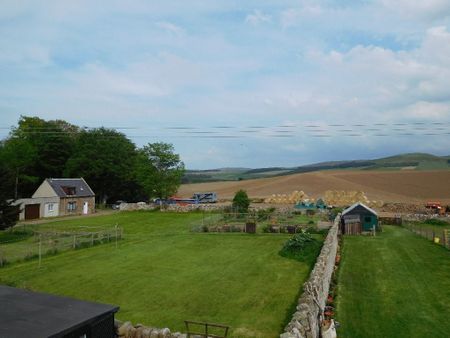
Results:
<point x="116" y="206"/>
<point x="205" y="197"/>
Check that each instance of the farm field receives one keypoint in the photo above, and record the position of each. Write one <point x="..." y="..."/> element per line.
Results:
<point x="162" y="274"/>
<point x="387" y="186"/>
<point x="394" y="285"/>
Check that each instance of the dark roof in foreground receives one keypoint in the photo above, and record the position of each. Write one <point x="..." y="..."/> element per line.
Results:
<point x="80" y="185"/>
<point x="25" y="313"/>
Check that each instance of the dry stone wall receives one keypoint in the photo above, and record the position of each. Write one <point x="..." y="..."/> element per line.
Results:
<point x="305" y="321"/>
<point x="128" y="330"/>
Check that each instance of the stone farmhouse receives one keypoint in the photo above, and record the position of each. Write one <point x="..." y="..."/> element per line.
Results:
<point x="58" y="197"/>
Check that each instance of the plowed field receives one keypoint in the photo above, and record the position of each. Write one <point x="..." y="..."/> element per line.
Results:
<point x="388" y="186"/>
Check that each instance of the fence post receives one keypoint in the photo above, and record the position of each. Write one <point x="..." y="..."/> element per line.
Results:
<point x="92" y="239"/>
<point x="116" y="235"/>
<point x="74" y="241"/>
<point x="40" y="249"/>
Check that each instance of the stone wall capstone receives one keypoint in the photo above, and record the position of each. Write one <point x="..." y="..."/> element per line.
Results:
<point x="305" y="321"/>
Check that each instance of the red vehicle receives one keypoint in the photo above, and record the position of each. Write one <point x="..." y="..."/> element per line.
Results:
<point x="435" y="206"/>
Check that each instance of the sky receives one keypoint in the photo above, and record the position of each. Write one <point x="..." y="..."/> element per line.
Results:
<point x="236" y="83"/>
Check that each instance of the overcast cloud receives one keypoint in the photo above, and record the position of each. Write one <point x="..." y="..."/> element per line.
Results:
<point x="236" y="83"/>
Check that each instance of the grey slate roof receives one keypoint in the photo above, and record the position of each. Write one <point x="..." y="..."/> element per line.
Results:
<point x="82" y="189"/>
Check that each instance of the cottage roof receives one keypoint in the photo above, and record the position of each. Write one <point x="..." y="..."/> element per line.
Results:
<point x="356" y="205"/>
<point x="63" y="187"/>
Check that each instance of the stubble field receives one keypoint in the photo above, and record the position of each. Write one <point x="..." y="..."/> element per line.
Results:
<point x="387" y="186"/>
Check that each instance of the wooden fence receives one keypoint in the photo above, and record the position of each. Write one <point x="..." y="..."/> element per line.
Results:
<point x="46" y="243"/>
<point x="438" y="236"/>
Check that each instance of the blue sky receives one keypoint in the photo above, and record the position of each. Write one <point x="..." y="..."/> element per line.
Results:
<point x="322" y="80"/>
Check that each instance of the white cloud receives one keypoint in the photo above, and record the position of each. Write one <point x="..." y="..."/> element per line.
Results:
<point x="293" y="16"/>
<point x="170" y="27"/>
<point x="257" y="17"/>
<point x="429" y="9"/>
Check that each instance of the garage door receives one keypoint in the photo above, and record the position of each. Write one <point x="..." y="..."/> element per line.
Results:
<point x="32" y="211"/>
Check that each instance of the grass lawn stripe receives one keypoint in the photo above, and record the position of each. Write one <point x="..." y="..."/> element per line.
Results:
<point x="394" y="285"/>
<point x="162" y="274"/>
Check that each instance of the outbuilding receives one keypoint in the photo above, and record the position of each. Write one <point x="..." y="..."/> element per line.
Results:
<point x="33" y="314"/>
<point x="358" y="218"/>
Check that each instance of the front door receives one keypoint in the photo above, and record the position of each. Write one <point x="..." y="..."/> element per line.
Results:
<point x="85" y="208"/>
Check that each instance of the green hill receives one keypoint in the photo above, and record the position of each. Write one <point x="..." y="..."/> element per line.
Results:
<point x="411" y="161"/>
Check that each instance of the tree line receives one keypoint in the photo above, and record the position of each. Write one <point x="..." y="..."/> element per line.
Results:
<point x="112" y="164"/>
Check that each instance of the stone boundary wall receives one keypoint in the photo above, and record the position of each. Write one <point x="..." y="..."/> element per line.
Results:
<point x="128" y="330"/>
<point x="192" y="207"/>
<point x="306" y="320"/>
<point x="136" y="206"/>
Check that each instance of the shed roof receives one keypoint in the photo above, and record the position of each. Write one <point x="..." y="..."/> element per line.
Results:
<point x="356" y="205"/>
<point x="24" y="313"/>
<point x="82" y="189"/>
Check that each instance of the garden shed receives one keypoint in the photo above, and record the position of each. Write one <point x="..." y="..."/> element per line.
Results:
<point x="358" y="218"/>
<point x="26" y="313"/>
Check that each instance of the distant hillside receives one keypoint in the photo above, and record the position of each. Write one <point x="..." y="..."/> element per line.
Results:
<point x="412" y="161"/>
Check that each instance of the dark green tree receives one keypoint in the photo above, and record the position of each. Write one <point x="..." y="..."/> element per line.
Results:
<point x="241" y="202"/>
<point x="106" y="159"/>
<point x="159" y="170"/>
<point x="8" y="212"/>
<point x="37" y="149"/>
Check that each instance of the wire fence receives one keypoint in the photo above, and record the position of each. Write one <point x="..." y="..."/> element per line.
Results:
<point x="438" y="236"/>
<point x="35" y="245"/>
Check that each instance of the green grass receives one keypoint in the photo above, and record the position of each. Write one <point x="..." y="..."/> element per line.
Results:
<point x="394" y="285"/>
<point x="163" y="274"/>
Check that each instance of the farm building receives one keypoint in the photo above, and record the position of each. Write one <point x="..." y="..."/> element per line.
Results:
<point x="58" y="197"/>
<point x="358" y="218"/>
<point x="32" y="314"/>
<point x="320" y="204"/>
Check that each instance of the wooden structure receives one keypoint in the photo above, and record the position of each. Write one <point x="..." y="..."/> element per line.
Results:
<point x="208" y="330"/>
<point x="358" y="218"/>
<point x="33" y="314"/>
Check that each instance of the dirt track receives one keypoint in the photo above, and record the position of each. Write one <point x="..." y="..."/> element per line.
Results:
<point x="388" y="186"/>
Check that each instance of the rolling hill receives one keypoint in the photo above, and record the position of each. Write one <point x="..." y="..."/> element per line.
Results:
<point x="412" y="161"/>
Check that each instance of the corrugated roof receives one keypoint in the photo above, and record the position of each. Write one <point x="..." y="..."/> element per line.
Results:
<point x="61" y="185"/>
<point x="355" y="205"/>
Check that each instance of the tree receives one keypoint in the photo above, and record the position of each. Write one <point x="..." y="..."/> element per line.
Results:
<point x="159" y="170"/>
<point x="8" y="212"/>
<point x="37" y="149"/>
<point x="106" y="159"/>
<point x="241" y="202"/>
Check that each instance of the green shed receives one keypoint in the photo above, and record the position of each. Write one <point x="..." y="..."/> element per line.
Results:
<point x="360" y="214"/>
<point x="320" y="204"/>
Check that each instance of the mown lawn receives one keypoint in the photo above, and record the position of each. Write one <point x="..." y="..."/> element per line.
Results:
<point x="163" y="274"/>
<point x="394" y="285"/>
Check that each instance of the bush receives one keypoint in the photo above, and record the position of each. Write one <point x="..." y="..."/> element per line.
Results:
<point x="264" y="214"/>
<point x="241" y="202"/>
<point x="298" y="242"/>
<point x="301" y="246"/>
<point x="435" y="221"/>
<point x="266" y="228"/>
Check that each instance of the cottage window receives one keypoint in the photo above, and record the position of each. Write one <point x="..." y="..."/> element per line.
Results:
<point x="69" y="191"/>
<point x="50" y="207"/>
<point x="367" y="219"/>
<point x="72" y="206"/>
